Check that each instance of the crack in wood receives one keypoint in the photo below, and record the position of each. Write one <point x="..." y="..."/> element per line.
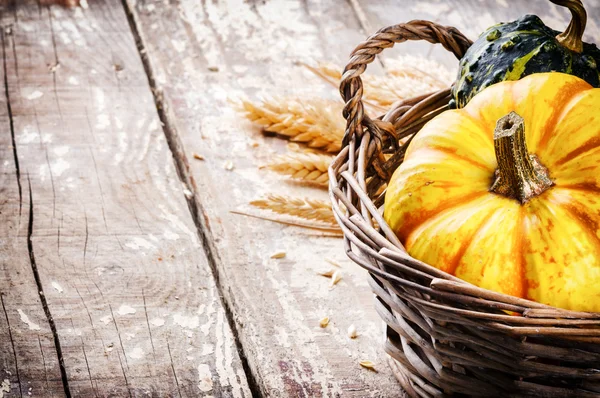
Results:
<point x="11" y="123"/>
<point x="173" y="367"/>
<point x="33" y="264"/>
<point x="122" y="350"/>
<point x="12" y="342"/>
<point x="40" y="287"/>
<point x="196" y="208"/>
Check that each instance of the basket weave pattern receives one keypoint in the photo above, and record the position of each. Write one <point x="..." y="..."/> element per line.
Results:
<point x="446" y="337"/>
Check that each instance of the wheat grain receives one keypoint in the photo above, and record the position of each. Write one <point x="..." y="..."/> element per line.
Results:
<point x="327" y="273"/>
<point x="352" y="333"/>
<point x="367" y="364"/>
<point x="333" y="262"/>
<point x="317" y="123"/>
<point x="324" y="322"/>
<point x="278" y="255"/>
<point x="335" y="278"/>
<point x="308" y="209"/>
<point x="308" y="167"/>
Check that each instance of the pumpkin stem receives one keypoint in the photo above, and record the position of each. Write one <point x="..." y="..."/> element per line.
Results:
<point x="520" y="175"/>
<point x="571" y="38"/>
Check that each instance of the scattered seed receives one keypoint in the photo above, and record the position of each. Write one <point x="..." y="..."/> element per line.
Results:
<point x="52" y="68"/>
<point x="254" y="144"/>
<point x="229" y="165"/>
<point x="279" y="254"/>
<point x="333" y="262"/>
<point x="352" y="332"/>
<point x="327" y="273"/>
<point x="198" y="156"/>
<point x="213" y="68"/>
<point x="335" y="278"/>
<point x="367" y="364"/>
<point x="324" y="322"/>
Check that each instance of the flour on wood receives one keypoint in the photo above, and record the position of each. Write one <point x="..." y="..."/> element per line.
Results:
<point x="205" y="383"/>
<point x="57" y="286"/>
<point x="157" y="322"/>
<point x="185" y="321"/>
<point x="25" y="319"/>
<point x="125" y="309"/>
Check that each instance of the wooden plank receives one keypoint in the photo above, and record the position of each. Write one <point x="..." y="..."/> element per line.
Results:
<point x="202" y="53"/>
<point x="28" y="358"/>
<point x="125" y="277"/>
<point x="276" y="304"/>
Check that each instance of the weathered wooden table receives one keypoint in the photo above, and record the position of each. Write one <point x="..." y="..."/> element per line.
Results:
<point x="123" y="271"/>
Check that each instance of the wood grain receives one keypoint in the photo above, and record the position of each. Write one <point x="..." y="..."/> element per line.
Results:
<point x="117" y="256"/>
<point x="93" y="214"/>
<point x="28" y="357"/>
<point x="202" y="55"/>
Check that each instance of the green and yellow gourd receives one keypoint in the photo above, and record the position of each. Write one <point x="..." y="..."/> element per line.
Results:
<point x="513" y="50"/>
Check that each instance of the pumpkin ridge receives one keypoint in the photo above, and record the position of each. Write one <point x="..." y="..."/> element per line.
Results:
<point x="520" y="242"/>
<point x="584" y="186"/>
<point x="588" y="146"/>
<point x="571" y="94"/>
<point x="455" y="262"/>
<point x="587" y="223"/>
<point x="453" y="152"/>
<point x="415" y="222"/>
<point x="478" y="122"/>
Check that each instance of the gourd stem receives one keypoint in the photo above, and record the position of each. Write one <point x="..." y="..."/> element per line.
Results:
<point x="520" y="175"/>
<point x="571" y="38"/>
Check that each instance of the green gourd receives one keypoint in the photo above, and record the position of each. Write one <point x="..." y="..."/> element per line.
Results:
<point x="510" y="51"/>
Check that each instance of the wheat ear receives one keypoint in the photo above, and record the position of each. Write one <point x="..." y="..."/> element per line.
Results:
<point x="307" y="167"/>
<point x="308" y="209"/>
<point x="407" y="76"/>
<point x="316" y="123"/>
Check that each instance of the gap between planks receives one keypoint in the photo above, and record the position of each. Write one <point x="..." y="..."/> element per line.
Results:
<point x="196" y="208"/>
<point x="34" y="269"/>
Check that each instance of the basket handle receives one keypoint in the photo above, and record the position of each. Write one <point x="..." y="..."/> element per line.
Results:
<point x="351" y="87"/>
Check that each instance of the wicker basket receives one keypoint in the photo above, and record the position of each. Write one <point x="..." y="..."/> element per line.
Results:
<point x="446" y="337"/>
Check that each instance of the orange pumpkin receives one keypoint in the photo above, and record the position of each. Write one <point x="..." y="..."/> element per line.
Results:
<point x="511" y="206"/>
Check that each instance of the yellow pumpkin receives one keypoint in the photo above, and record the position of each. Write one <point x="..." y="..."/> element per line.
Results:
<point x="526" y="224"/>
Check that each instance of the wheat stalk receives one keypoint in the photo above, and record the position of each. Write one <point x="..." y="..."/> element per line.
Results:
<point x="317" y="123"/>
<point x="386" y="90"/>
<point x="407" y="76"/>
<point x="308" y="209"/>
<point x="307" y="167"/>
<point x="420" y="68"/>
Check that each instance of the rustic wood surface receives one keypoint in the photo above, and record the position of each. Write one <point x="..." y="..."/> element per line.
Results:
<point x="276" y="304"/>
<point x="101" y="263"/>
<point x="112" y="247"/>
<point x="200" y="56"/>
